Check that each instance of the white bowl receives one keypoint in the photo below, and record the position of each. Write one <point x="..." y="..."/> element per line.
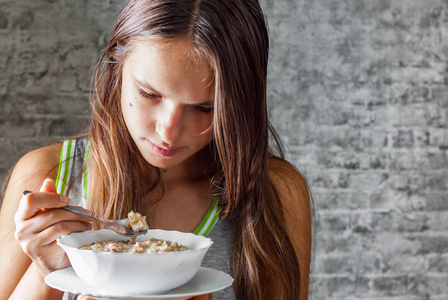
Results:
<point x="135" y="273"/>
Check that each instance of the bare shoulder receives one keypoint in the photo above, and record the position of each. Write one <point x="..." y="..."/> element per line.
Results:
<point x="29" y="173"/>
<point x="292" y="190"/>
<point x="41" y="162"/>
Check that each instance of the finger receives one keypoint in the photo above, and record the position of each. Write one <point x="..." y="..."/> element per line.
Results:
<point x="49" y="218"/>
<point x="32" y="203"/>
<point x="48" y="186"/>
<point x="52" y="233"/>
<point x="37" y="246"/>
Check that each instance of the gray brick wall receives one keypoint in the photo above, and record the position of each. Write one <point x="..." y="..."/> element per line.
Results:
<point x="358" y="91"/>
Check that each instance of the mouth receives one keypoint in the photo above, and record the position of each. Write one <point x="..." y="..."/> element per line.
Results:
<point x="166" y="152"/>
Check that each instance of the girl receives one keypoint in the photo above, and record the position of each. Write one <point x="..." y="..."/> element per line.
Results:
<point x="179" y="132"/>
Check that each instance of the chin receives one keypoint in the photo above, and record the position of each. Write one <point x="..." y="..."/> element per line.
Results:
<point x="163" y="162"/>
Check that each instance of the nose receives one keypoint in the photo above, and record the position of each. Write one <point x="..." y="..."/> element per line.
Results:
<point x="169" y="124"/>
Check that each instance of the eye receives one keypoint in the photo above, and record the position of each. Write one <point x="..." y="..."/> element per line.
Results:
<point x="203" y="109"/>
<point x="147" y="95"/>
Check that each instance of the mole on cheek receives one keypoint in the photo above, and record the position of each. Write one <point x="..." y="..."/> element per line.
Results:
<point x="130" y="104"/>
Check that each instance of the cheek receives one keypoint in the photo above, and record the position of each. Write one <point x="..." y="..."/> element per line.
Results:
<point x="133" y="114"/>
<point x="202" y="127"/>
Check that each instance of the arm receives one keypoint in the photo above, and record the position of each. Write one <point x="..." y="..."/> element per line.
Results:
<point x="293" y="193"/>
<point x="36" y="226"/>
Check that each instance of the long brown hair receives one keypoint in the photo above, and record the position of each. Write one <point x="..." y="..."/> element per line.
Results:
<point x="232" y="36"/>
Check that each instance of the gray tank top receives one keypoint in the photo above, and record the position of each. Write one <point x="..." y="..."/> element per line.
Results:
<point x="73" y="173"/>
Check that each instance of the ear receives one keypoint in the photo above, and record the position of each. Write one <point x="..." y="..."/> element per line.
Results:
<point x="48" y="186"/>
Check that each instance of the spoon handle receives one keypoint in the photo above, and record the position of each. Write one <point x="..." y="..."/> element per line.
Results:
<point x="81" y="211"/>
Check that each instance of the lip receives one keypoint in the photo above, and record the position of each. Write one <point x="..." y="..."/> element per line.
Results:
<point x="164" y="151"/>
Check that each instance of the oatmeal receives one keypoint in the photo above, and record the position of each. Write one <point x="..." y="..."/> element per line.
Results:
<point x="152" y="245"/>
<point x="136" y="221"/>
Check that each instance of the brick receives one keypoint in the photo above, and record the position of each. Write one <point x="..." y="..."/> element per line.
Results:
<point x="334" y="221"/>
<point x="437" y="181"/>
<point x="336" y="285"/>
<point x="438" y="138"/>
<point x="404" y="159"/>
<point x="335" y="264"/>
<point x="436" y="201"/>
<point x="434" y="243"/>
<point x="23" y="19"/>
<point x="438" y="263"/>
<point x="418" y="285"/>
<point x="68" y="84"/>
<point x="439" y="92"/>
<point x="438" y="220"/>
<point x="320" y="179"/>
<point x="378" y="161"/>
<point x="407" y="264"/>
<point x="365" y="181"/>
<point x="396" y="244"/>
<point x="366" y="262"/>
<point x="334" y="242"/>
<point x="377" y="222"/>
<point x="437" y="285"/>
<point x="4" y="20"/>
<point x="403" y="138"/>
<point x="437" y="160"/>
<point x="407" y="181"/>
<point x="410" y="222"/>
<point x="389" y="285"/>
<point x="343" y="199"/>
<point x="8" y="150"/>
<point x="72" y="126"/>
<point x="338" y="159"/>
<point x="46" y="42"/>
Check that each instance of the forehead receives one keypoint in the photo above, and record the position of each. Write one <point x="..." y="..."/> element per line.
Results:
<point x="169" y="64"/>
<point x="176" y="48"/>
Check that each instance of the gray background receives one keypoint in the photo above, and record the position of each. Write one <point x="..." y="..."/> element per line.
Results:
<point x="357" y="89"/>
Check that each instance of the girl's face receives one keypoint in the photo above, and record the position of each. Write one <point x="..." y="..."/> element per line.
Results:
<point x="167" y="103"/>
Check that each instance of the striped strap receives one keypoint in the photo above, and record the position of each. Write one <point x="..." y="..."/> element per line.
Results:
<point x="210" y="219"/>
<point x="85" y="177"/>
<point x="65" y="165"/>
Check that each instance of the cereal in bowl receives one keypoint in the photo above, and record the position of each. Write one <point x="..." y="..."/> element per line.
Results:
<point x="152" y="245"/>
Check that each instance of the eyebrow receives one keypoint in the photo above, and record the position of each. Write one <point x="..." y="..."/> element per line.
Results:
<point x="148" y="86"/>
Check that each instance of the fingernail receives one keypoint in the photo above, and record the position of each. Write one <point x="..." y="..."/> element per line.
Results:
<point x="65" y="199"/>
<point x="26" y="192"/>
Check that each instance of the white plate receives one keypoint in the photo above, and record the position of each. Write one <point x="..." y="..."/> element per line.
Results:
<point x="204" y="282"/>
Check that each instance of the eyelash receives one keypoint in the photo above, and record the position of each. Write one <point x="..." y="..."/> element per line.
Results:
<point x="154" y="97"/>
<point x="147" y="95"/>
<point x="203" y="109"/>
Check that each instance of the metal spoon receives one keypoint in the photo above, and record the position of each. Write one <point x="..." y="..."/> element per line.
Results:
<point x="117" y="226"/>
